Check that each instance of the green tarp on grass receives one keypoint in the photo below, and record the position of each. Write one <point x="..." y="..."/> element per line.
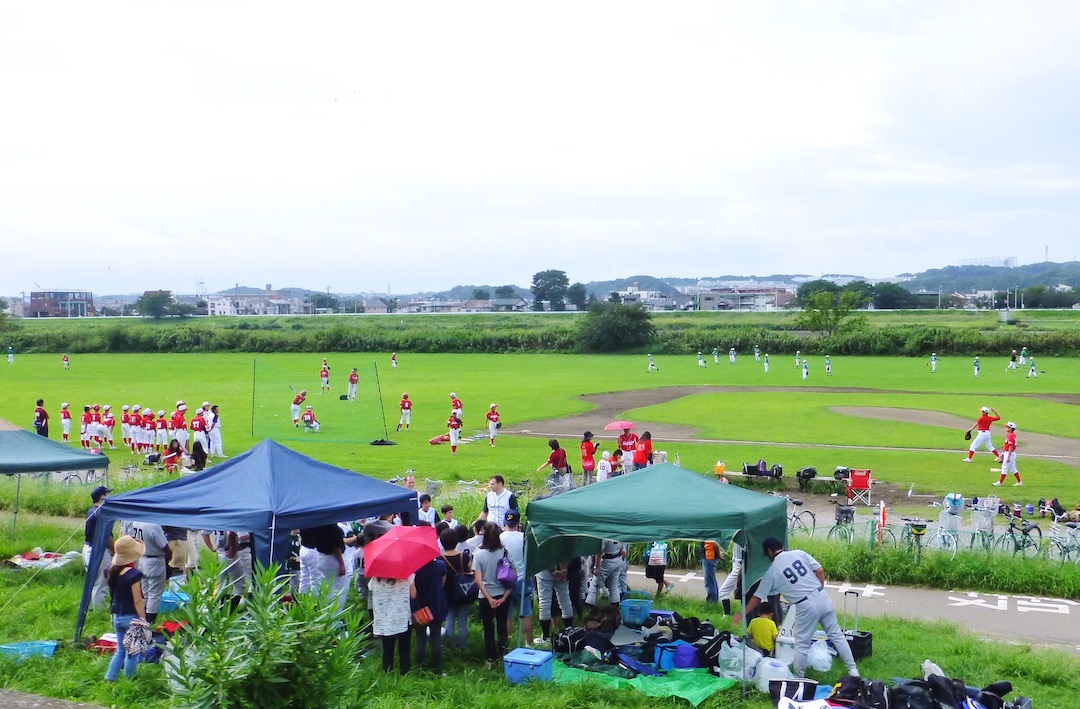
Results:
<point x="695" y="686"/>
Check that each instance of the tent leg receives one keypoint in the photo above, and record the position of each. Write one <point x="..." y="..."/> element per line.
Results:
<point x="15" y="512"/>
<point x="521" y="603"/>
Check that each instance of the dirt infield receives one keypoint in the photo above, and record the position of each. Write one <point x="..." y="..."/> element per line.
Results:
<point x="613" y="406"/>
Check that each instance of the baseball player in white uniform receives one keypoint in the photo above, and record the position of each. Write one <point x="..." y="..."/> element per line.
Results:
<point x="800" y="578"/>
<point x="152" y="564"/>
<point x="607" y="567"/>
<point x="727" y="589"/>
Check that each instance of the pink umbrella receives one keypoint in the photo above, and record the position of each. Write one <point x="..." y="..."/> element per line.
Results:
<point x="618" y="425"/>
<point x="400" y="552"/>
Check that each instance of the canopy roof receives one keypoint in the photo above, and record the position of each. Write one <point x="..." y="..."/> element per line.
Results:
<point x="660" y="502"/>
<point x="267" y="491"/>
<point x="23" y="451"/>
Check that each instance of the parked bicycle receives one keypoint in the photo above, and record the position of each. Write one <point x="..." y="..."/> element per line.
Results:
<point x="800" y="524"/>
<point x="1064" y="542"/>
<point x="1021" y="538"/>
<point x="912" y="535"/>
<point x="844" y="529"/>
<point x="946" y="538"/>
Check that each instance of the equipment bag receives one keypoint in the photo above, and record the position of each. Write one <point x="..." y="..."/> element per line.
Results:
<point x="710" y="647"/>
<point x="569" y="641"/>
<point x="798" y="689"/>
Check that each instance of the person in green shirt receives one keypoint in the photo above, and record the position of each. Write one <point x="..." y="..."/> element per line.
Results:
<point x="10" y="355"/>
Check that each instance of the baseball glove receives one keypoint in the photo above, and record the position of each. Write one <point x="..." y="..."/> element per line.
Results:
<point x="498" y="425"/>
<point x="967" y="435"/>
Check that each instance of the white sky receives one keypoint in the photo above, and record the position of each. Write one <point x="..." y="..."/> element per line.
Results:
<point x="417" y="146"/>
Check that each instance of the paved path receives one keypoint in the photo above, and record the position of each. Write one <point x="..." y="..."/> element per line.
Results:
<point x="18" y="700"/>
<point x="1043" y="622"/>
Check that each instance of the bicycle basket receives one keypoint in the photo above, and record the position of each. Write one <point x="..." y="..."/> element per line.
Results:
<point x="948" y="521"/>
<point x="918" y="529"/>
<point x="845" y="514"/>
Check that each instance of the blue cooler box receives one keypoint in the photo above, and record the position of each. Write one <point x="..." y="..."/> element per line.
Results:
<point x="525" y="664"/>
<point x="171" y="600"/>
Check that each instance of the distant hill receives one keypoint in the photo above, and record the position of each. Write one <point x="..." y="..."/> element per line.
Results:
<point x="466" y="292"/>
<point x="970" y="278"/>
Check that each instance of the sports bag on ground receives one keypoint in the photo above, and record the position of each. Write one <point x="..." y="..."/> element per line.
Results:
<point x="569" y="641"/>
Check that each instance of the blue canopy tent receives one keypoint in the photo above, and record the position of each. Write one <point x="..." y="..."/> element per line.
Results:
<point x="267" y="491"/>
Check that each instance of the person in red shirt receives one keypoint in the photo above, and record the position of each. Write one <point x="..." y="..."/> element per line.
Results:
<point x="643" y="451"/>
<point x="308" y="418"/>
<point x="161" y="424"/>
<point x="454" y="426"/>
<point x="66" y="361"/>
<point x="96" y="429"/>
<point x="149" y="425"/>
<point x="198" y="430"/>
<point x="65" y="421"/>
<point x="324" y="378"/>
<point x="626" y="442"/>
<point x="588" y="460"/>
<point x="85" y="422"/>
<point x="41" y="419"/>
<point x="406" y="412"/>
<point x="179" y="425"/>
<point x="393" y="360"/>
<point x="108" y="423"/>
<point x="455" y="404"/>
<point x="982" y="439"/>
<point x="1008" y="461"/>
<point x="125" y="424"/>
<point x="493" y="423"/>
<point x="354" y="379"/>
<point x="298" y="399"/>
<point x="560" y="472"/>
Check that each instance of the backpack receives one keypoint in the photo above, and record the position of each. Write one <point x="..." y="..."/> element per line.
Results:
<point x="873" y="694"/>
<point x="776" y="471"/>
<point x="762" y="467"/>
<point x="460" y="588"/>
<point x="710" y="647"/>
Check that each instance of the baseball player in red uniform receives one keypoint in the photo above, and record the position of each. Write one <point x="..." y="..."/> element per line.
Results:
<point x="161" y="426"/>
<point x="65" y="421"/>
<point x="296" y="402"/>
<point x="982" y="439"/>
<point x="179" y="425"/>
<point x="198" y="430"/>
<point x="84" y="427"/>
<point x="455" y="404"/>
<point x="324" y="378"/>
<point x="96" y="432"/>
<point x="493" y="423"/>
<point x="125" y="424"/>
<point x="393" y="360"/>
<point x="627" y="442"/>
<point x="310" y="422"/>
<point x="454" y="425"/>
<point x="354" y="379"/>
<point x="108" y="423"/>
<point x="1008" y="461"/>
<point x="406" y="412"/>
<point x="66" y="361"/>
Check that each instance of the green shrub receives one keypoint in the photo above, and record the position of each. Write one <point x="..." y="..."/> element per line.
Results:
<point x="264" y="653"/>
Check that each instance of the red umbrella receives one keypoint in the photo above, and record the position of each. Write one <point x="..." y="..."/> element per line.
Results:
<point x="400" y="552"/>
<point x="618" y="425"/>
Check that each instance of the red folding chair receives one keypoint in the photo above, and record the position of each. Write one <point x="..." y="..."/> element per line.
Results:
<point x="858" y="487"/>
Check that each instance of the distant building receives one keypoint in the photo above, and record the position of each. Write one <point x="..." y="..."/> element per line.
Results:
<point x="510" y="305"/>
<point x="60" y="304"/>
<point x="378" y="306"/>
<point x="745" y="299"/>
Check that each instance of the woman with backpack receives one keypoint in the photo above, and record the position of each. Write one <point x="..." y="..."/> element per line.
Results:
<point x="494" y="596"/>
<point x="430" y="593"/>
<point x="457" y="604"/>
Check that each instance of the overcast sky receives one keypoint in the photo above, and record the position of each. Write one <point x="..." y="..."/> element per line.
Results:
<point x="411" y="146"/>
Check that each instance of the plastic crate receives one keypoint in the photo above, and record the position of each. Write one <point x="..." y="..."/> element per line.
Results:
<point x="31" y="648"/>
<point x="525" y="664"/>
<point x="171" y="600"/>
<point x="635" y="611"/>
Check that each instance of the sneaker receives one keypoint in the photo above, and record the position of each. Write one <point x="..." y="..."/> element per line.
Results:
<point x="997" y="484"/>
<point x="490" y="664"/>
<point x="1019" y="484"/>
<point x="965" y="460"/>
<point x="669" y="585"/>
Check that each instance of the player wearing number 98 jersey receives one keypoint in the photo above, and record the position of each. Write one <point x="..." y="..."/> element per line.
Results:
<point x="800" y="578"/>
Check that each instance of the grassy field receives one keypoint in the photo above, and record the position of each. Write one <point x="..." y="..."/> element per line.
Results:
<point x="533" y="388"/>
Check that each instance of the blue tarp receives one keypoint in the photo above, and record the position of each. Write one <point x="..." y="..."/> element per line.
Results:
<point x="267" y="491"/>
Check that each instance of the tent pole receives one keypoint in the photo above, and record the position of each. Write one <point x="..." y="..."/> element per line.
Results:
<point x="382" y="408"/>
<point x="273" y="533"/>
<point x="521" y="603"/>
<point x="15" y="514"/>
<point x="253" y="376"/>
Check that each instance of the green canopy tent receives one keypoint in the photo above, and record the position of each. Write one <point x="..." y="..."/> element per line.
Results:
<point x="23" y="451"/>
<point x="660" y="502"/>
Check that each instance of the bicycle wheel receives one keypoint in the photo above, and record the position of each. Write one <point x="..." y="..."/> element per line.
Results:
<point x="1057" y="551"/>
<point x="1007" y="544"/>
<point x="1029" y="544"/>
<point x="943" y="542"/>
<point x="841" y="533"/>
<point x="72" y="479"/>
<point x="802" y="525"/>
<point x="885" y="538"/>
<point x="1035" y="534"/>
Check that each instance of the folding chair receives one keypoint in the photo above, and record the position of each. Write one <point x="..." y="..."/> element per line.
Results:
<point x="858" y="487"/>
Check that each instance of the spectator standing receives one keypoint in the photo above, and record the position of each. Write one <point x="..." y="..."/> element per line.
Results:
<point x="710" y="557"/>
<point x="125" y="588"/>
<point x="153" y="562"/>
<point x="643" y="451"/>
<point x="498" y="501"/>
<point x="391" y="602"/>
<point x="97" y="496"/>
<point x="457" y="611"/>
<point x="521" y="597"/>
<point x="494" y="598"/>
<point x="588" y="459"/>
<point x="41" y="419"/>
<point x="431" y="592"/>
<point x="656" y="565"/>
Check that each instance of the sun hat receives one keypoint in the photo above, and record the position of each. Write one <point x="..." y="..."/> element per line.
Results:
<point x="127" y="550"/>
<point x="587" y="435"/>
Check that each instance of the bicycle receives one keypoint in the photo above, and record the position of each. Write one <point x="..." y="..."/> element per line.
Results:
<point x="400" y="479"/>
<point x="1020" y="537"/>
<point x="1064" y="542"/>
<point x="433" y="487"/>
<point x="946" y="537"/>
<point x="912" y="535"/>
<point x="799" y="523"/>
<point x="844" y="529"/>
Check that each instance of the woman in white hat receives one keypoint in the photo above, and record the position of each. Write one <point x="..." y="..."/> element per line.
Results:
<point x="125" y="588"/>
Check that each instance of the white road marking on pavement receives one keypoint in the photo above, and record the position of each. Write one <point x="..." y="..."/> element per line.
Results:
<point x="974" y="600"/>
<point x="1041" y="606"/>
<point x="867" y="591"/>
